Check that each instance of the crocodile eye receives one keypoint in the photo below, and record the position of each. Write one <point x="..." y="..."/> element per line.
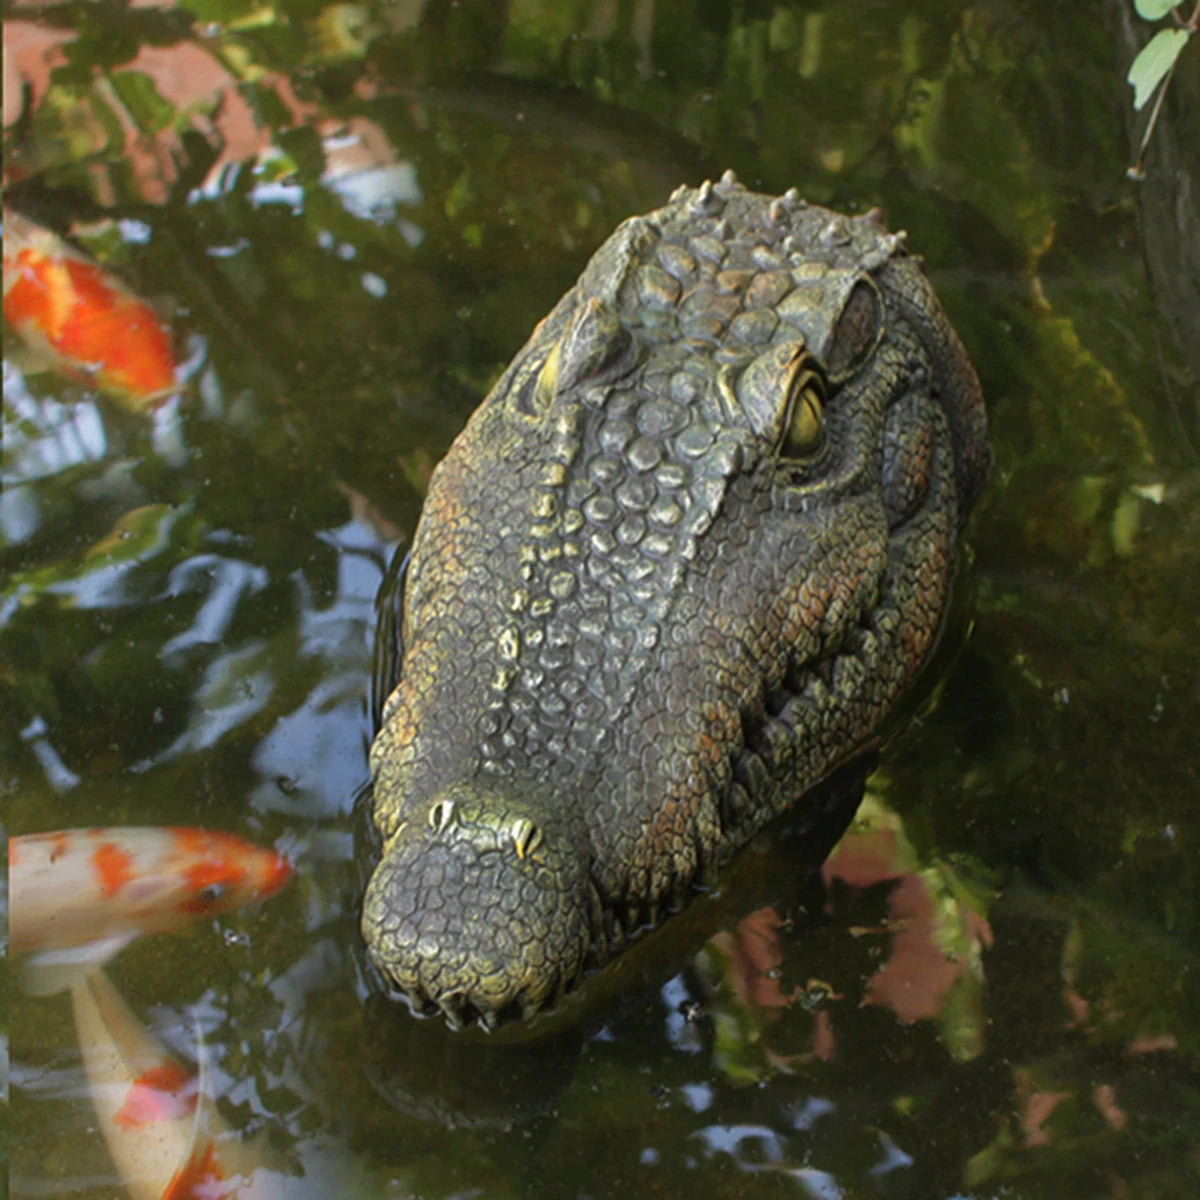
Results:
<point x="806" y="413"/>
<point x="533" y="386"/>
<point x="782" y="394"/>
<point x="527" y="837"/>
<point x="440" y="815"/>
<point x="547" y="380"/>
<point x="595" y="348"/>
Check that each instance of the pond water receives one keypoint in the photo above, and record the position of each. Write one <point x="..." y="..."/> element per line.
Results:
<point x="349" y="216"/>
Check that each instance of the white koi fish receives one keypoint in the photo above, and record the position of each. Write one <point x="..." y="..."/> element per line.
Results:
<point x="77" y="896"/>
<point x="162" y="1128"/>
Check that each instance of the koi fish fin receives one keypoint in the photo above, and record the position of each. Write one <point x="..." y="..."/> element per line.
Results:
<point x="200" y="1168"/>
<point x="46" y="972"/>
<point x="217" y="1162"/>
<point x="205" y="1122"/>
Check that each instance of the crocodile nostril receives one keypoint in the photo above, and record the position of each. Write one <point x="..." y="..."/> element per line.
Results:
<point x="440" y="815"/>
<point x="527" y="837"/>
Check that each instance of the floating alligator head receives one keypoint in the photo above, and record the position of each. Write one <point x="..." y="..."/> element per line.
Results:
<point x="678" y="566"/>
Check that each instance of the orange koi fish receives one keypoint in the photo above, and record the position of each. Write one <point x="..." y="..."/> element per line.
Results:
<point x="161" y="1123"/>
<point x="78" y="318"/>
<point x="77" y="896"/>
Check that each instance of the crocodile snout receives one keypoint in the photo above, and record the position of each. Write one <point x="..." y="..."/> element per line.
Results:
<point x="481" y="910"/>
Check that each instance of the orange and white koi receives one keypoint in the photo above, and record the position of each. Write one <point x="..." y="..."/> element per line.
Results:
<point x="164" y="1133"/>
<point x="77" y="896"/>
<point x="77" y="318"/>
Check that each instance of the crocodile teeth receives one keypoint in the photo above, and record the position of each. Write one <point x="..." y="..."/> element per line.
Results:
<point x="554" y="999"/>
<point x="420" y="1002"/>
<point x="454" y="1010"/>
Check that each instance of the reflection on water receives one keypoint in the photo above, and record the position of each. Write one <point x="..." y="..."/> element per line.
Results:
<point x="992" y="988"/>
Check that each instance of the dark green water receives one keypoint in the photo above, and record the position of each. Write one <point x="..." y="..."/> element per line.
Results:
<point x="1010" y="1004"/>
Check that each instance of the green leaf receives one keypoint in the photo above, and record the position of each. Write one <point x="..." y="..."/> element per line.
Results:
<point x="1151" y="10"/>
<point x="150" y="112"/>
<point x="1155" y="59"/>
<point x="140" y="534"/>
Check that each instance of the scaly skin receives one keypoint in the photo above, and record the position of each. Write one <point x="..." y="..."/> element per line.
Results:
<point x="678" y="566"/>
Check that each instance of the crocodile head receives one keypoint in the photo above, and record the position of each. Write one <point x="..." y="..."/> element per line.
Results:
<point x="678" y="566"/>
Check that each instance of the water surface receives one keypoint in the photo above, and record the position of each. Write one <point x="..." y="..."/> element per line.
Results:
<point x="350" y="217"/>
